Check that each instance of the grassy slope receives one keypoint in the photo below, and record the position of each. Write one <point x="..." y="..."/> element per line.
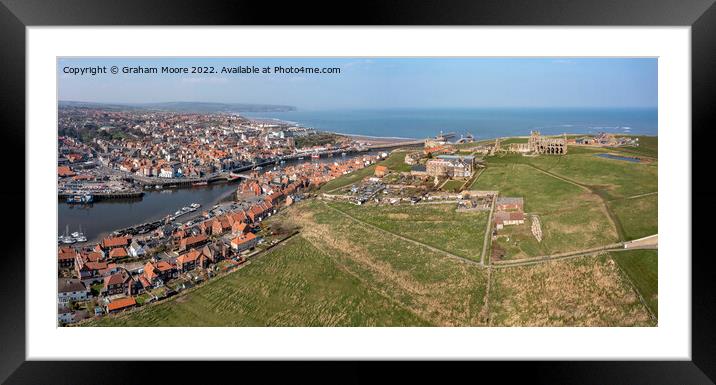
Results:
<point x="571" y="217"/>
<point x="585" y="292"/>
<point x="348" y="179"/>
<point x="295" y="285"/>
<point x="439" y="226"/>
<point x="638" y="216"/>
<point x="395" y="162"/>
<point x="642" y="268"/>
<point x="438" y="288"/>
<point x="648" y="146"/>
<point x="452" y="185"/>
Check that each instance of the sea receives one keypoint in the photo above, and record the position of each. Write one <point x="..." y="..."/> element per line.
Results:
<point x="482" y="123"/>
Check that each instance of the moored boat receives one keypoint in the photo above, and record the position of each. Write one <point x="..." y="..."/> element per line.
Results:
<point x="80" y="199"/>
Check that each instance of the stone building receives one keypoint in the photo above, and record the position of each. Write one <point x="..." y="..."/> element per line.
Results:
<point x="451" y="166"/>
<point x="551" y="146"/>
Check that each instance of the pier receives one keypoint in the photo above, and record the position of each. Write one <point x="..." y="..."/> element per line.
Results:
<point x="97" y="196"/>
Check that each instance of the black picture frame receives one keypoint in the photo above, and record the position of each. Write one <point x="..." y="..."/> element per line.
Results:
<point x="700" y="15"/>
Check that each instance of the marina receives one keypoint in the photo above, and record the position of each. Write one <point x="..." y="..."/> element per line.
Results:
<point x="142" y="213"/>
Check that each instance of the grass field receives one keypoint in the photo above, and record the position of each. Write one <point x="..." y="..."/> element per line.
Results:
<point x="572" y="218"/>
<point x="336" y="273"/>
<point x="396" y="161"/>
<point x="348" y="179"/>
<point x="586" y="292"/>
<point x="452" y="185"/>
<point x="642" y="268"/>
<point x="648" y="146"/>
<point x="295" y="285"/>
<point x="613" y="179"/>
<point x="638" y="216"/>
<point x="439" y="226"/>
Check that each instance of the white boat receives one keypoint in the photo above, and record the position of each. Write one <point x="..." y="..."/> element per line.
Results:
<point x="195" y="205"/>
<point x="67" y="239"/>
<point x="79" y="236"/>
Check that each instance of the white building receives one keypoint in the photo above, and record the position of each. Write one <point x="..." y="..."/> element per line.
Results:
<point x="71" y="289"/>
<point x="135" y="249"/>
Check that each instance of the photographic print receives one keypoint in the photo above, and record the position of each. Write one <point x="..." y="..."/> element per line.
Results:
<point x="357" y="191"/>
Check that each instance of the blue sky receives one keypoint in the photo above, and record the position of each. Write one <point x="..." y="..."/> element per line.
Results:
<point x="379" y="82"/>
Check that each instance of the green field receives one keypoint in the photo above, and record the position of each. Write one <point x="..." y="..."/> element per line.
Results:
<point x="641" y="266"/>
<point x="611" y="178"/>
<point x="541" y="192"/>
<point x="638" y="216"/>
<point x="452" y="185"/>
<point x="348" y="179"/>
<point x="572" y="217"/>
<point x="396" y="161"/>
<point x="336" y="273"/>
<point x="648" y="146"/>
<point x="438" y="225"/>
<point x="295" y="285"/>
<point x="587" y="292"/>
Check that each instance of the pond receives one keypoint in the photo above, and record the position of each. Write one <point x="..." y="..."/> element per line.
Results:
<point x="619" y="157"/>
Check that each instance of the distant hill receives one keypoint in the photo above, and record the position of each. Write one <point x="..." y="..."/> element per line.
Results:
<point x="198" y="107"/>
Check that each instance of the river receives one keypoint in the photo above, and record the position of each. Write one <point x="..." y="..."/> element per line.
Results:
<point x="101" y="218"/>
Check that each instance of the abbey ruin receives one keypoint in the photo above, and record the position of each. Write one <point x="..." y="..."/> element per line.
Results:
<point x="537" y="144"/>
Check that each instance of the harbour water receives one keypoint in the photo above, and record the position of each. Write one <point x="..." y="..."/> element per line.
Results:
<point x="480" y="122"/>
<point x="101" y="218"/>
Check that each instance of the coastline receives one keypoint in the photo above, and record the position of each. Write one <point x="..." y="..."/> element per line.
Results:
<point x="386" y="139"/>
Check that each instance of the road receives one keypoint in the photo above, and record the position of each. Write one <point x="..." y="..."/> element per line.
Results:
<point x="650" y="242"/>
<point x="487" y="231"/>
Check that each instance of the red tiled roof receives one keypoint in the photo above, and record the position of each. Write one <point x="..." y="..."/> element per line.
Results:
<point x="145" y="283"/>
<point x="114" y="279"/>
<point x="188" y="257"/>
<point x="96" y="265"/>
<point x="241" y="239"/>
<point x="195" y="239"/>
<point x="121" y="303"/>
<point x="163" y="266"/>
<point x="114" y="242"/>
<point x="118" y="252"/>
<point x="149" y="271"/>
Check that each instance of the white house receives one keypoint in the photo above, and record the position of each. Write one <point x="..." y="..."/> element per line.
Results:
<point x="71" y="289"/>
<point x="64" y="315"/>
<point x="166" y="173"/>
<point x="136" y="250"/>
